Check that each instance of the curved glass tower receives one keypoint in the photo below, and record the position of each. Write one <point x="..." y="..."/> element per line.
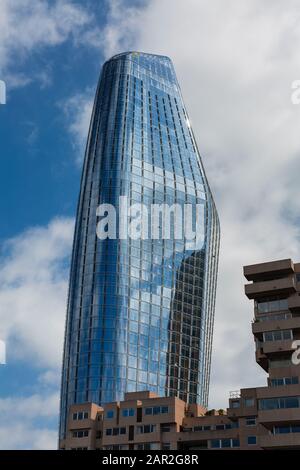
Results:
<point x="140" y="309"/>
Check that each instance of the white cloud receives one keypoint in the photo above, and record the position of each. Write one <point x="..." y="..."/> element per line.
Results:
<point x="235" y="62"/>
<point x="34" y="406"/>
<point x="24" y="437"/>
<point x="78" y="110"/>
<point x="34" y="270"/>
<point x="33" y="277"/>
<point x="27" y="26"/>
<point x="18" y="429"/>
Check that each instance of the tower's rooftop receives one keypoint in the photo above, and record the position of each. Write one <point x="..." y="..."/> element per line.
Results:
<point x="135" y="54"/>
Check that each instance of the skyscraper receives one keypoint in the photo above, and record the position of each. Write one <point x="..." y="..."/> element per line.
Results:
<point x="140" y="309"/>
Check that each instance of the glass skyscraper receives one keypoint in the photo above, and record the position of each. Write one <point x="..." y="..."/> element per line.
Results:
<point x="140" y="310"/>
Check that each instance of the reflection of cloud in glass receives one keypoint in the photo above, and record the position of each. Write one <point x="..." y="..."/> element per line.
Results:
<point x="2" y="352"/>
<point x="2" y="92"/>
<point x="186" y="363"/>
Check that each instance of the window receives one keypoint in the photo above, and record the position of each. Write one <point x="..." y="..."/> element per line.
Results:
<point x="156" y="410"/>
<point x="81" y="433"/>
<point x="286" y="429"/>
<point x="165" y="427"/>
<point x="147" y="446"/>
<point x="220" y="426"/>
<point x="224" y="443"/>
<point x="202" y="428"/>
<point x="280" y="335"/>
<point x="278" y="316"/>
<point x="251" y="440"/>
<point x="277" y="403"/>
<point x="233" y="425"/>
<point x="110" y="414"/>
<point x="235" y="443"/>
<point x="215" y="444"/>
<point x="251" y="421"/>
<point x="273" y="363"/>
<point x="284" y="381"/>
<point x="115" y="447"/>
<point x="249" y="402"/>
<point x="272" y="306"/>
<point x="127" y="412"/>
<point x="235" y="404"/>
<point x="80" y="415"/>
<point x="187" y="429"/>
<point x="166" y="446"/>
<point x="115" y="431"/>
<point x="146" y="429"/>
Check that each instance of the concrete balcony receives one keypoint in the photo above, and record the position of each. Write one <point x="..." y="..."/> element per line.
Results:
<point x="262" y="359"/>
<point x="277" y="392"/>
<point x="205" y="435"/>
<point x="294" y="302"/>
<point x="262" y="271"/>
<point x="241" y="412"/>
<point x="270" y="418"/>
<point x="272" y="325"/>
<point x="280" y="441"/>
<point x="277" y="347"/>
<point x="272" y="350"/>
<point x="285" y="286"/>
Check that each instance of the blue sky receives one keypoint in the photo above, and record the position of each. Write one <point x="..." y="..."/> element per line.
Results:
<point x="40" y="175"/>
<point x="236" y="64"/>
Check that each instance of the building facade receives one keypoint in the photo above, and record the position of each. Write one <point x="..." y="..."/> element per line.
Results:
<point x="257" y="418"/>
<point x="140" y="309"/>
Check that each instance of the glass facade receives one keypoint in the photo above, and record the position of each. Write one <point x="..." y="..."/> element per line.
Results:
<point x="140" y="311"/>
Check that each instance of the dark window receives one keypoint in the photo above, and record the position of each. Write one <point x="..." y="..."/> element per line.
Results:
<point x="131" y="433"/>
<point x="249" y="402"/>
<point x="235" y="404"/>
<point x="251" y="440"/>
<point x="250" y="421"/>
<point x="165" y="427"/>
<point x="226" y="443"/>
<point x="166" y="446"/>
<point x="215" y="444"/>
<point x="235" y="443"/>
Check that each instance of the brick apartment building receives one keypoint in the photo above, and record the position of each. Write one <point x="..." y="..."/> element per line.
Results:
<point x="257" y="418"/>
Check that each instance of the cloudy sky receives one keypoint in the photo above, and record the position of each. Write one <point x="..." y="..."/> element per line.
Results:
<point x="236" y="61"/>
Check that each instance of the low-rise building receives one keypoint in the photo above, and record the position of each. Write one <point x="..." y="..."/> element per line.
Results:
<point x="257" y="418"/>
